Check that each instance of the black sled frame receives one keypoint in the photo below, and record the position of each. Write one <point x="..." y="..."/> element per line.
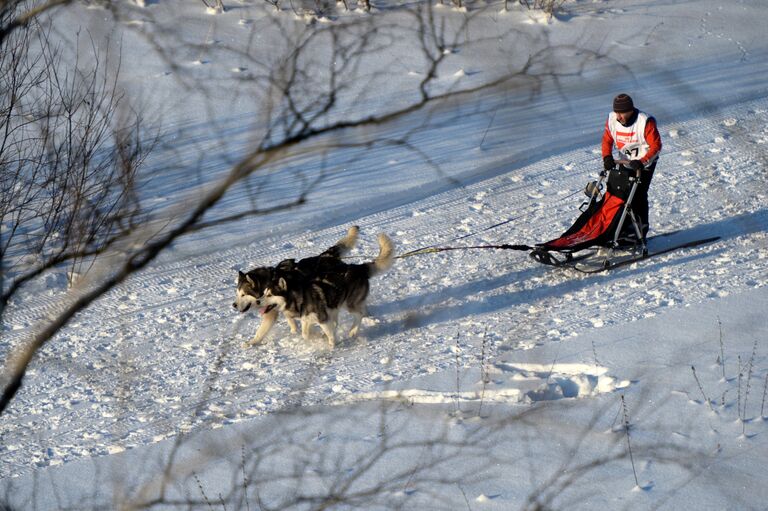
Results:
<point x="546" y="256"/>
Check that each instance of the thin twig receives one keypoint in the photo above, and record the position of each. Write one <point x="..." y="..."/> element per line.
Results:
<point x="466" y="500"/>
<point x="738" y="402"/>
<point x="483" y="372"/>
<point x="629" y="444"/>
<point x="245" y="479"/>
<point x="202" y="491"/>
<point x="722" y="349"/>
<point x="594" y="354"/>
<point x="458" y="384"/>
<point x="746" y="392"/>
<point x="701" y="389"/>
<point x="489" y="127"/>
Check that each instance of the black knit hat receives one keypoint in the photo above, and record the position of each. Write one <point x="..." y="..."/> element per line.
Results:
<point x="623" y="103"/>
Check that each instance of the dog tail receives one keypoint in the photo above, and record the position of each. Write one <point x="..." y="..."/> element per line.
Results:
<point x="344" y="245"/>
<point x="386" y="256"/>
<point x="347" y="243"/>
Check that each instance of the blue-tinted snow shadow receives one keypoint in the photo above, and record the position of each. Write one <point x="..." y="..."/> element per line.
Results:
<point x="427" y="308"/>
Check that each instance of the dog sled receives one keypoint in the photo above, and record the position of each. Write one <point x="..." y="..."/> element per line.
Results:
<point x="608" y="233"/>
<point x="607" y="224"/>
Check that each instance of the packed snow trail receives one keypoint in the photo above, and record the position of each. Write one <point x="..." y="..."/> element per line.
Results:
<point x="162" y="354"/>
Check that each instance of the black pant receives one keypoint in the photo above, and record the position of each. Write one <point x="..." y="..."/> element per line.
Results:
<point x="640" y="201"/>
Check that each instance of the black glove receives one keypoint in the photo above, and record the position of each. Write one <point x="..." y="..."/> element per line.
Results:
<point x="637" y="166"/>
<point x="608" y="163"/>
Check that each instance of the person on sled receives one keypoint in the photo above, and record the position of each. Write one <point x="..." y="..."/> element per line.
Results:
<point x="636" y="137"/>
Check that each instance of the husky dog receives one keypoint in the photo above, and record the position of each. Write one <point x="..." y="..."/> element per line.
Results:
<point x="318" y="299"/>
<point x="251" y="285"/>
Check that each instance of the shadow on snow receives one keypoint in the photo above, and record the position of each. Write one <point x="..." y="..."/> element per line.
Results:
<point x="426" y="308"/>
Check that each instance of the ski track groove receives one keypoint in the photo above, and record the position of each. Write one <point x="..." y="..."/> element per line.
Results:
<point x="501" y="287"/>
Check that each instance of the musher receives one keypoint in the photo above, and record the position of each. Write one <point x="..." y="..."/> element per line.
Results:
<point x="636" y="137"/>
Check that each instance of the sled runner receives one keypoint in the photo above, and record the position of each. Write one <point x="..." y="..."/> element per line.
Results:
<point x="607" y="221"/>
<point x="628" y="259"/>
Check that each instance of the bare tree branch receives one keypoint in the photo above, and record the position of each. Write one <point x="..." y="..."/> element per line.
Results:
<point x="13" y="15"/>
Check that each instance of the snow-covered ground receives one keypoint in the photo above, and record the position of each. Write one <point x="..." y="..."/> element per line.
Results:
<point x="482" y="380"/>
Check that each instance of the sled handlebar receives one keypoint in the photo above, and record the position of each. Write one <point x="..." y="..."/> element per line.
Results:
<point x="624" y="163"/>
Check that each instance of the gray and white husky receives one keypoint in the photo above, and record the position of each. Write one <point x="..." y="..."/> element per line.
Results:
<point x="317" y="300"/>
<point x="251" y="285"/>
